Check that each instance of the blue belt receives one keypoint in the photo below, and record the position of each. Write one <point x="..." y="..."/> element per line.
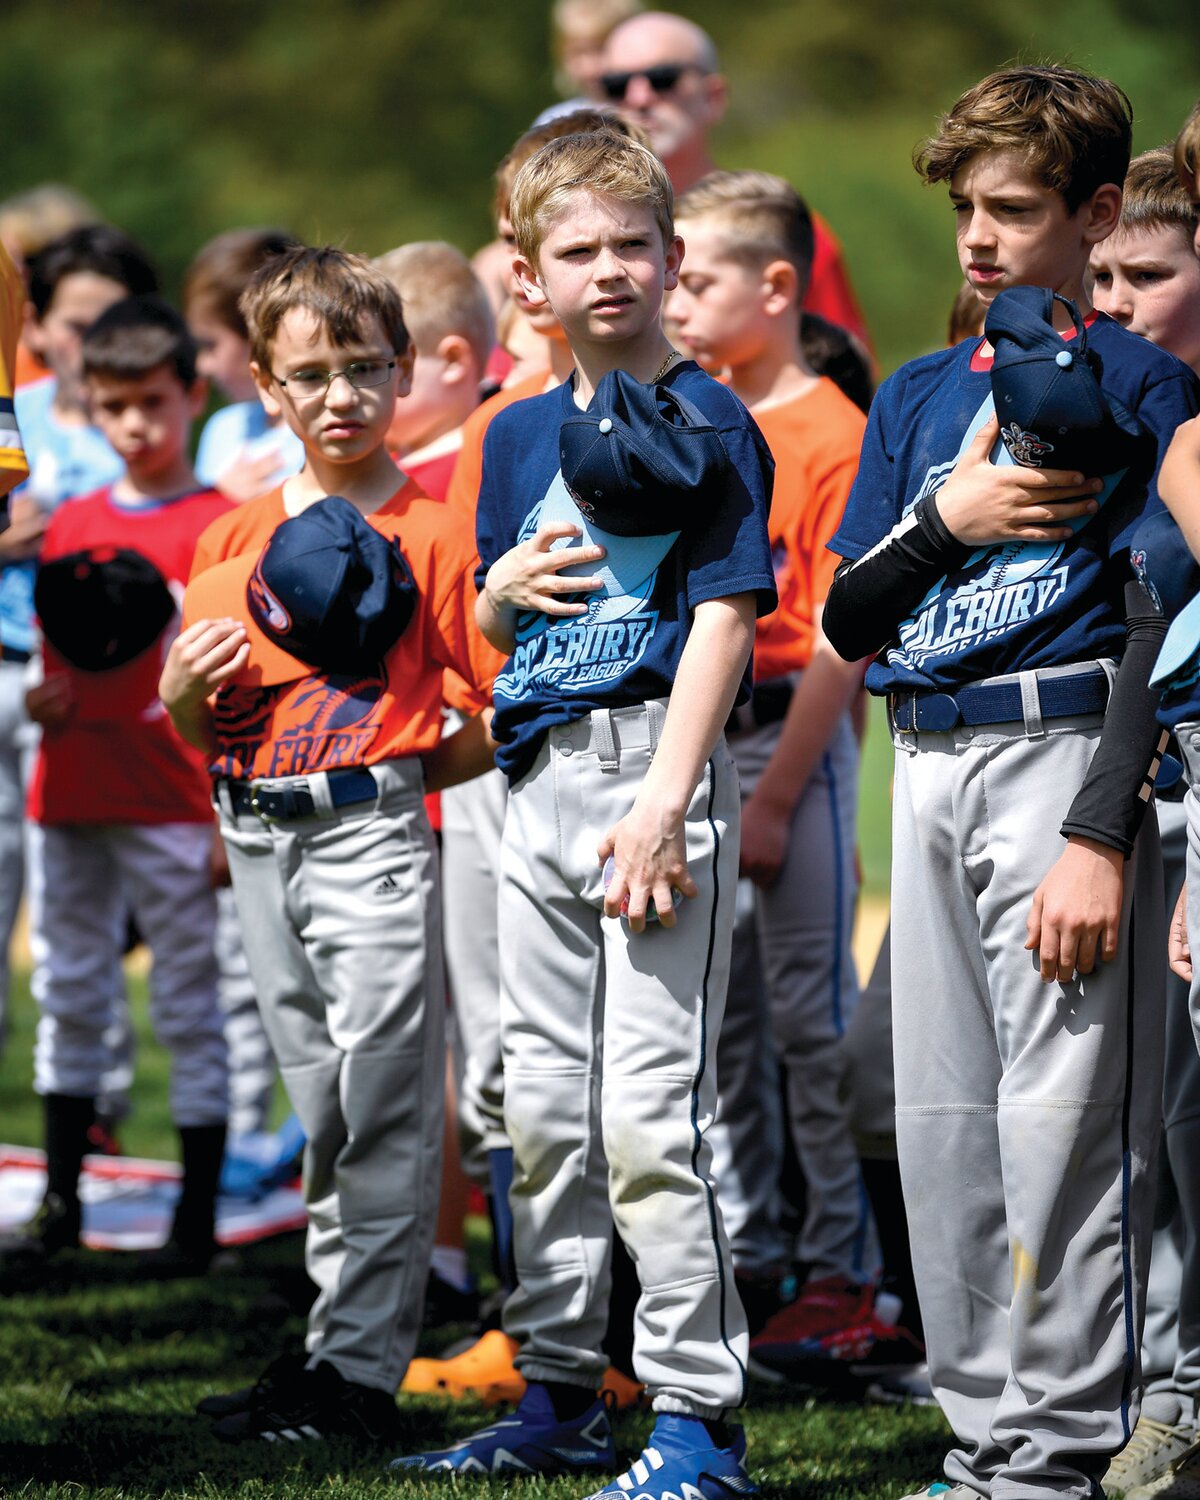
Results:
<point x="290" y="798"/>
<point x="1084" y="692"/>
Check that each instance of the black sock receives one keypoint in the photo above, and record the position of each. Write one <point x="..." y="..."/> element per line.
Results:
<point x="68" y="1120"/>
<point x="568" y="1401"/>
<point x="882" y="1179"/>
<point x="203" y="1150"/>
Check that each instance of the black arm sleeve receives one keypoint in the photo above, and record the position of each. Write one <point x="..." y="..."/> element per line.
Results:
<point x="1111" y="803"/>
<point x="870" y="597"/>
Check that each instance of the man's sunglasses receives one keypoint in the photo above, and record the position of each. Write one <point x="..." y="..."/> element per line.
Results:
<point x="662" y="79"/>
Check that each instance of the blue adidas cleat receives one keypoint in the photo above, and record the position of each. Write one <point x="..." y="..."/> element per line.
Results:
<point x="680" y="1460"/>
<point x="531" y="1441"/>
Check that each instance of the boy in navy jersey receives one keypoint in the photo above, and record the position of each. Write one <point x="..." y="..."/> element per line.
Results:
<point x="609" y="714"/>
<point x="1028" y="1086"/>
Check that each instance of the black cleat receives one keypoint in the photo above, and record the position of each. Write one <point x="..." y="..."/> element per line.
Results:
<point x="321" y="1404"/>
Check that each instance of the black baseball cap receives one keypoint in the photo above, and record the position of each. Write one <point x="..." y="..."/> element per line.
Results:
<point x="102" y="607"/>
<point x="1052" y="410"/>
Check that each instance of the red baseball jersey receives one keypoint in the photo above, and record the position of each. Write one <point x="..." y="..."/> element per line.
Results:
<point x="118" y="758"/>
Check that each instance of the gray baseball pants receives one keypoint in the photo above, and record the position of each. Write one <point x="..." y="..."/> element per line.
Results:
<point x="1027" y="1114"/>
<point x="251" y="1061"/>
<point x="84" y="880"/>
<point x="802" y="926"/>
<point x="608" y="1041"/>
<point x="341" y="921"/>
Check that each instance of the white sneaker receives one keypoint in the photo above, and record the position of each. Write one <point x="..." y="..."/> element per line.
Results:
<point x="1180" y="1482"/>
<point x="1165" y="1431"/>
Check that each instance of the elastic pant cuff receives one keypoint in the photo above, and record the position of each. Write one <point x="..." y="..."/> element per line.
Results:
<point x="587" y="1380"/>
<point x="682" y="1406"/>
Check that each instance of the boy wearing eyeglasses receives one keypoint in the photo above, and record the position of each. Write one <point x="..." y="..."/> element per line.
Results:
<point x="319" y="784"/>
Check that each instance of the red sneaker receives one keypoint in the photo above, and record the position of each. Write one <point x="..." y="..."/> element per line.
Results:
<point x="824" y="1306"/>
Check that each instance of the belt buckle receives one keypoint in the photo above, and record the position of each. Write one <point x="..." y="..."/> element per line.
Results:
<point x="900" y="700"/>
<point x="286" y="804"/>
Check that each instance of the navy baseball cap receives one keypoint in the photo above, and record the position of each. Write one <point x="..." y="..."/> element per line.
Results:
<point x="330" y="589"/>
<point x="102" y="607"/>
<point x="1046" y="389"/>
<point x="643" y="460"/>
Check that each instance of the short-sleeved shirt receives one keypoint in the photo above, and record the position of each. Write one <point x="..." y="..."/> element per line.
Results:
<point x="626" y="649"/>
<point x="1021" y="605"/>
<point x="65" y="460"/>
<point x="241" y="432"/>
<point x="118" y="759"/>
<point x="332" y="721"/>
<point x="814" y="439"/>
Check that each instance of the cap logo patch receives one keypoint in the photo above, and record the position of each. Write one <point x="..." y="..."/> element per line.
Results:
<point x="1026" y="447"/>
<point x="265" y="604"/>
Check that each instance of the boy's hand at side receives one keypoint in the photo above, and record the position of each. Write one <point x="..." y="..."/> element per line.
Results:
<point x="1179" y="951"/>
<point x="1076" y="911"/>
<point x="202" y="657"/>
<point x="529" y="577"/>
<point x="49" y="702"/>
<point x="650" y="864"/>
<point x="983" y="503"/>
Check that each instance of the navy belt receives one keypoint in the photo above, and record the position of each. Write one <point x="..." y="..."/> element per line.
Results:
<point x="290" y="798"/>
<point x="769" y="703"/>
<point x="999" y="702"/>
<point x="14" y="654"/>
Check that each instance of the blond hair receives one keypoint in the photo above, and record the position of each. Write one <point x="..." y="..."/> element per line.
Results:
<point x="1187" y="151"/>
<point x="1072" y="130"/>
<point x="31" y="220"/>
<point x="441" y="296"/>
<point x="764" y="217"/>
<point x="574" y="122"/>
<point x="343" y="292"/>
<point x="602" y="162"/>
<point x="1154" y="196"/>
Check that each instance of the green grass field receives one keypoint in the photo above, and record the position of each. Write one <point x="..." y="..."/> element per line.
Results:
<point x="101" y="1369"/>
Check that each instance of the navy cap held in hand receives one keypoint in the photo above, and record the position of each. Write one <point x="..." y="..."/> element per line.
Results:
<point x="332" y="590"/>
<point x="1053" y="413"/>
<point x="643" y="460"/>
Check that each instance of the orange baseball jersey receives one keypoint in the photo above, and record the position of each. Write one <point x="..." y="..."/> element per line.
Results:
<point x="326" y="721"/>
<point x="463" y="494"/>
<point x="815" y="441"/>
<point x="118" y="758"/>
<point x="12" y="305"/>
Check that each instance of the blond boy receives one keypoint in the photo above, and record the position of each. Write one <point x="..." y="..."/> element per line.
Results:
<point x="609" y="712"/>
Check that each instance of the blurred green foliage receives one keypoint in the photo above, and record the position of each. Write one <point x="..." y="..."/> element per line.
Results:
<point x="370" y="122"/>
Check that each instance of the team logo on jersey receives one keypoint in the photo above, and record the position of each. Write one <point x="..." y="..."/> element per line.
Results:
<point x="586" y="653"/>
<point x="997" y="589"/>
<point x="1026" y="447"/>
<point x="318" y="724"/>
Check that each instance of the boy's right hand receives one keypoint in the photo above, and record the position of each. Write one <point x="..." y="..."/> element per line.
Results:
<point x="202" y="657"/>
<point x="529" y="575"/>
<point x="49" y="702"/>
<point x="983" y="503"/>
<point x="1179" y="952"/>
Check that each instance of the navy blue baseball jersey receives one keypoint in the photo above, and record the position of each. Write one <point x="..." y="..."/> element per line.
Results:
<point x="627" y="648"/>
<point x="1021" y="605"/>
<point x="1166" y="567"/>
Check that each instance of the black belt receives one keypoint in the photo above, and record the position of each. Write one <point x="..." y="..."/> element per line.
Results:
<point x="1083" y="692"/>
<point x="769" y="703"/>
<point x="289" y="798"/>
<point x="14" y="654"/>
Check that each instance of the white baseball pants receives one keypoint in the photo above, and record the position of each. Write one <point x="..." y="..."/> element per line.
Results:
<point x="341" y="921"/>
<point x="1027" y="1114"/>
<point x="608" y="1040"/>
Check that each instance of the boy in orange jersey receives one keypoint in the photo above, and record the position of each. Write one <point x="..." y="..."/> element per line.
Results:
<point x="737" y="308"/>
<point x="450" y="322"/>
<point x="120" y="806"/>
<point x="319" y="767"/>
